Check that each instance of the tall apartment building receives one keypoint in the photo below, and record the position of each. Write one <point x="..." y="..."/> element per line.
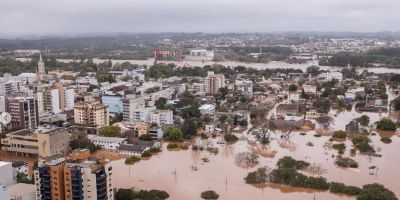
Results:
<point x="91" y="113"/>
<point x="56" y="98"/>
<point x="24" y="112"/>
<point x="59" y="180"/>
<point x="42" y="142"/>
<point x="69" y="100"/>
<point x="213" y="82"/>
<point x="131" y="104"/>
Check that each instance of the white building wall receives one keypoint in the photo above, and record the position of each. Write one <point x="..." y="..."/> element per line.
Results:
<point x="2" y="103"/>
<point x="89" y="184"/>
<point x="69" y="99"/>
<point x="7" y="175"/>
<point x="4" y="194"/>
<point x="55" y="101"/>
<point x="39" y="97"/>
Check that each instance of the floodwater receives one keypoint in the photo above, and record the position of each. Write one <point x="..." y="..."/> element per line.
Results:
<point x="259" y="66"/>
<point x="173" y="172"/>
<point x="184" y="175"/>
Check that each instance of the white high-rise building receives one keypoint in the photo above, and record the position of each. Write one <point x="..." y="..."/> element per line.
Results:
<point x="130" y="105"/>
<point x="55" y="101"/>
<point x="69" y="99"/>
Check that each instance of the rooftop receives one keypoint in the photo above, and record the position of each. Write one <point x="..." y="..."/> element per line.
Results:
<point x="106" y="139"/>
<point x="21" y="189"/>
<point x="3" y="163"/>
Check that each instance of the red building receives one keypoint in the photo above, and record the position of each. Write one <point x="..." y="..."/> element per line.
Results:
<point x="168" y="55"/>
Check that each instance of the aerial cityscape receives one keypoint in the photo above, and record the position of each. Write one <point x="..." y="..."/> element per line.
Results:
<point x="262" y="100"/>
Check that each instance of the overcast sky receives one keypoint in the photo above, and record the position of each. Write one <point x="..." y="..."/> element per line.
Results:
<point x="25" y="17"/>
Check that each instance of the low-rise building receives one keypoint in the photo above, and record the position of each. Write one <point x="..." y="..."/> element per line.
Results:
<point x="311" y="89"/>
<point x="161" y="117"/>
<point x="42" y="142"/>
<point x="328" y="76"/>
<point x="111" y="143"/>
<point x="137" y="148"/>
<point x="245" y="87"/>
<point x="156" y="133"/>
<point x="207" y="109"/>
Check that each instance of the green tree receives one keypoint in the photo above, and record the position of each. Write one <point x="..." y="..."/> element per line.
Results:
<point x="104" y="77"/>
<point x="376" y="192"/>
<point x="23" y="178"/>
<point x="209" y="194"/>
<point x="189" y="128"/>
<point x="174" y="135"/>
<point x="160" y="103"/>
<point x="80" y="140"/>
<point x="68" y="77"/>
<point x="362" y="143"/>
<point x="292" y="88"/>
<point x="124" y="194"/>
<point x="313" y="70"/>
<point x="339" y="134"/>
<point x="110" y="131"/>
<point x="386" y="124"/>
<point x="223" y="118"/>
<point x="322" y="105"/>
<point x="131" y="161"/>
<point x="363" y="120"/>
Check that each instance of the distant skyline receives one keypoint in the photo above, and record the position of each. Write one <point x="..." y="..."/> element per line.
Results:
<point x="72" y="17"/>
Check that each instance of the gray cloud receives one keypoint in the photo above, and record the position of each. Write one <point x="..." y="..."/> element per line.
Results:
<point x="22" y="17"/>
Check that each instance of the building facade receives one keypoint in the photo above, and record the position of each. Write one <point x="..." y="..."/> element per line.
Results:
<point x="214" y="82"/>
<point x="114" y="103"/>
<point x="161" y="117"/>
<point x="245" y="87"/>
<point x="92" y="114"/>
<point x="24" y="112"/>
<point x="60" y="180"/>
<point x="42" y="142"/>
<point x="168" y="55"/>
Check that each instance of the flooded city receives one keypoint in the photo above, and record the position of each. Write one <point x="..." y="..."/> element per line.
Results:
<point x="199" y="115"/>
<point x="184" y="172"/>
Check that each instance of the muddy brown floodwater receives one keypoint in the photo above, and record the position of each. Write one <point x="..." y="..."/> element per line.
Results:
<point x="173" y="171"/>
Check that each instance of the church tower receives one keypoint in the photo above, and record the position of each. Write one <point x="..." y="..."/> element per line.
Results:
<point x="41" y="72"/>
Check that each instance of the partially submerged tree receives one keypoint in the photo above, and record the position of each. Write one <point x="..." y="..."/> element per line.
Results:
<point x="324" y="121"/>
<point x="131" y="161"/>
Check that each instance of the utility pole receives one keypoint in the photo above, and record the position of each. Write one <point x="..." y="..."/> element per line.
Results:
<point x="226" y="183"/>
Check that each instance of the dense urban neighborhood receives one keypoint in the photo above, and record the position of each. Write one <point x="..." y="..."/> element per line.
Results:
<point x="200" y="116"/>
